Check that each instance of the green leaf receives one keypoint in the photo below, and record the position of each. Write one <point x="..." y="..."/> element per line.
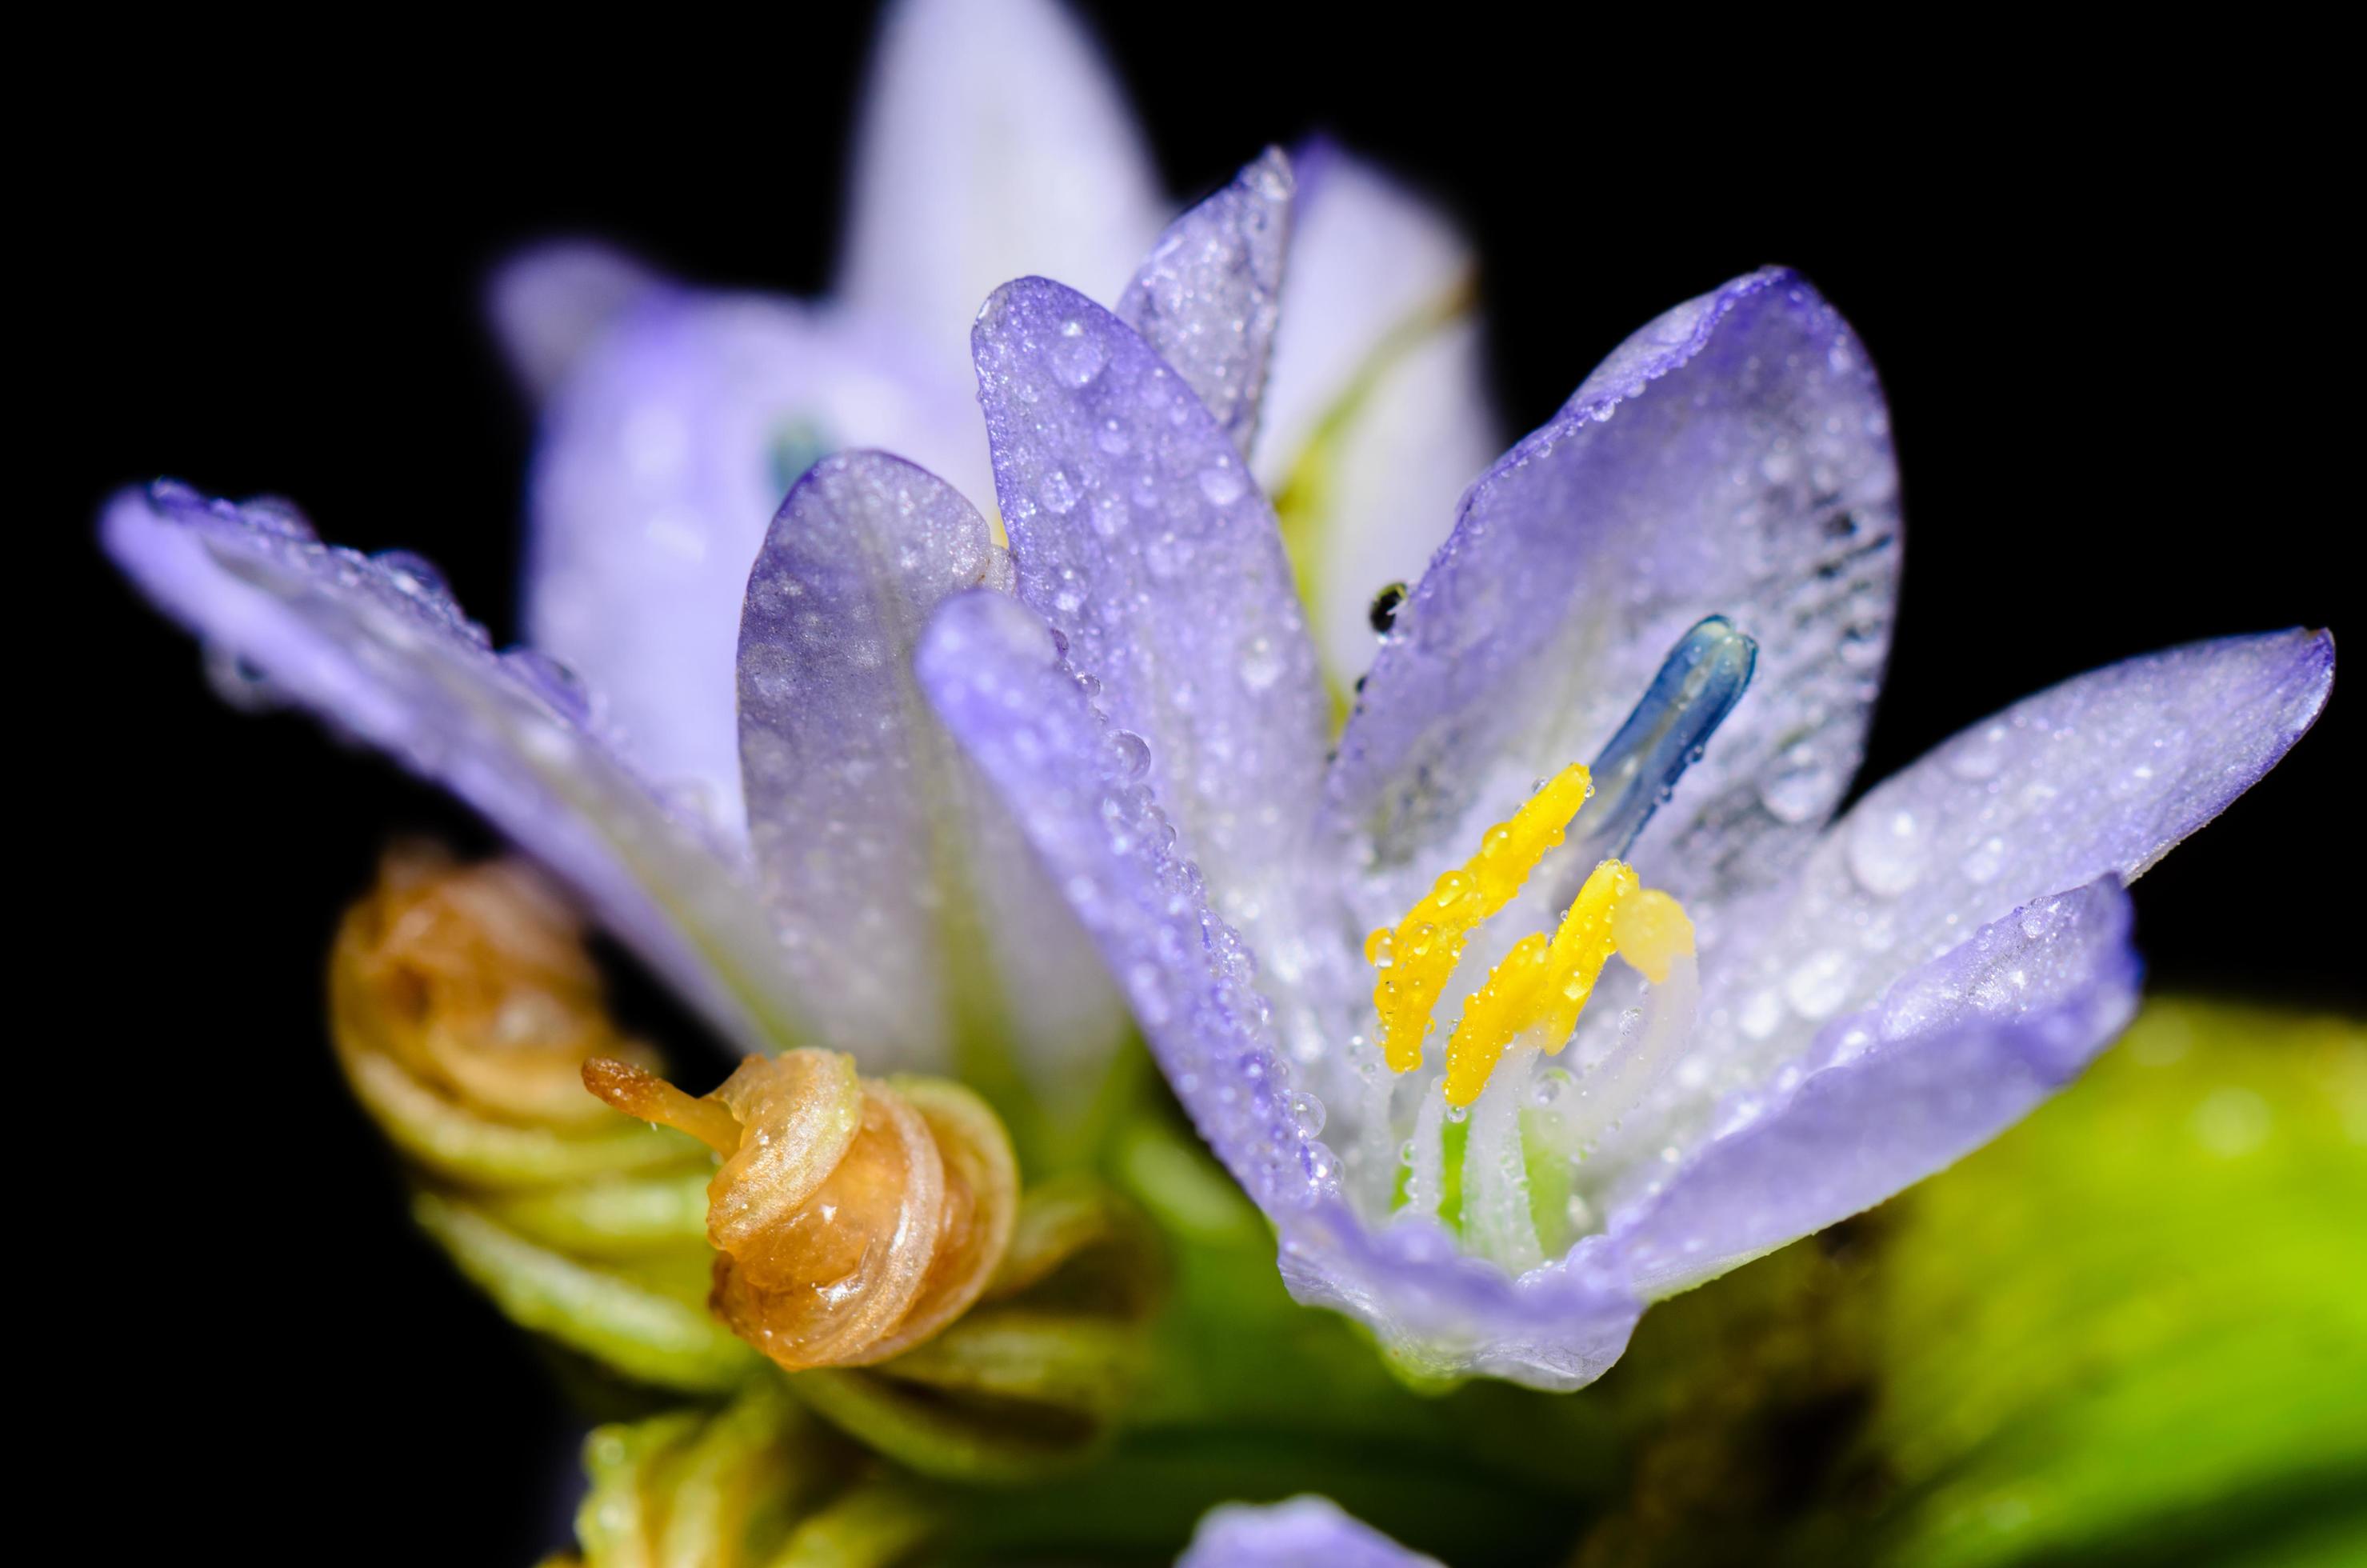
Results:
<point x="2137" y="1324"/>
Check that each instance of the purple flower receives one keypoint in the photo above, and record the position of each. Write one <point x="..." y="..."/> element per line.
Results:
<point x="871" y="899"/>
<point x="1873" y="998"/>
<point x="961" y="766"/>
<point x="1303" y="1532"/>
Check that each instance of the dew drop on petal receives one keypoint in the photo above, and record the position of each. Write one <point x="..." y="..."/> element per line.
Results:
<point x="1059" y="493"/>
<point x="1261" y="664"/>
<point x="1078" y="356"/>
<point x="1222" y="483"/>
<point x="1886" y="851"/>
<point x="1129" y="754"/>
<point x="1984" y="860"/>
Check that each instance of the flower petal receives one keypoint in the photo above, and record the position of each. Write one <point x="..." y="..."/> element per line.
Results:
<point x="992" y="670"/>
<point x="1205" y="298"/>
<point x="550" y="302"/>
<point x="1378" y="412"/>
<point x="920" y="926"/>
<point x="1731" y="458"/>
<point x="1140" y="537"/>
<point x="2098" y="776"/>
<point x="1369" y="260"/>
<point x="375" y="647"/>
<point x="1951" y="1055"/>
<point x="1306" y="1531"/>
<point x="993" y="143"/>
<point x="661" y="461"/>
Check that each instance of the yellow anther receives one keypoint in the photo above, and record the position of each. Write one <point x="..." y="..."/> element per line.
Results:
<point x="1416" y="957"/>
<point x="1539" y="989"/>
<point x="1652" y="931"/>
<point x="1582" y="947"/>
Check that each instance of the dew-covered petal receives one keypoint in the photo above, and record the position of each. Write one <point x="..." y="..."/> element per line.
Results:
<point x="379" y="650"/>
<point x="1205" y="299"/>
<point x="1306" y="1531"/>
<point x="920" y="927"/>
<point x="549" y="304"/>
<point x="1949" y="1056"/>
<point x="1377" y="411"/>
<point x="1732" y="457"/>
<point x="2098" y="776"/>
<point x="659" y="463"/>
<point x="992" y="669"/>
<point x="993" y="143"/>
<point x="1140" y="537"/>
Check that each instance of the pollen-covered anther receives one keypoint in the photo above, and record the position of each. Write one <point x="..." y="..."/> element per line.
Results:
<point x="1535" y="994"/>
<point x="852" y="1218"/>
<point x="1416" y="958"/>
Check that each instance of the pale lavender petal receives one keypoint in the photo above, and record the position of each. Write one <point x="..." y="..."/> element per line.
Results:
<point x="1370" y="503"/>
<point x="661" y="461"/>
<point x="377" y="649"/>
<point x="1301" y="1532"/>
<point x="992" y="669"/>
<point x="1368" y="261"/>
<point x="1377" y="413"/>
<point x="1205" y="299"/>
<point x="1139" y="535"/>
<point x="993" y="143"/>
<point x="2098" y="776"/>
<point x="1949" y="1056"/>
<point x="908" y="908"/>
<point x="550" y="302"/>
<point x="1731" y="458"/>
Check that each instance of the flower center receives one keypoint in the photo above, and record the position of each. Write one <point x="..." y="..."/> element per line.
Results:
<point x="1535" y="994"/>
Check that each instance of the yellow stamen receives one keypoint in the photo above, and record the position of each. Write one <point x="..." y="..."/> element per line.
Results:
<point x="1539" y="989"/>
<point x="1416" y="958"/>
<point x="1652" y="930"/>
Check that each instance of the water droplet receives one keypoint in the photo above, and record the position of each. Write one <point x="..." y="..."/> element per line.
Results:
<point x="1222" y="483"/>
<point x="413" y="575"/>
<point x="1886" y="851"/>
<point x="280" y="518"/>
<point x="1800" y="788"/>
<point x="1078" y="355"/>
<point x="1059" y="493"/>
<point x="1984" y="860"/>
<point x="1980" y="756"/>
<point x="1129" y="753"/>
<point x="1261" y="664"/>
<point x="1760" y="1014"/>
<point x="1820" y="985"/>
<point x="1458" y="1113"/>
<point x="1381" y="948"/>
<point x="1109" y="514"/>
<point x="556" y="684"/>
<point x="1112" y="437"/>
<point x="1307" y="1113"/>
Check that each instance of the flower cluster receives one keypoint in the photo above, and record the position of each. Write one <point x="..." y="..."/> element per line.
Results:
<point x="968" y="757"/>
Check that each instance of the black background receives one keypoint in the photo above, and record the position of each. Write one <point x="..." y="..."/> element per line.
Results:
<point x="2098" y="280"/>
